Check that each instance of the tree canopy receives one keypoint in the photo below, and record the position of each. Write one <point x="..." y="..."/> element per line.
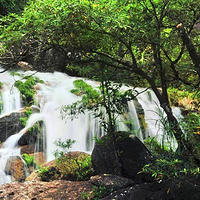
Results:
<point x="131" y="36"/>
<point x="9" y="6"/>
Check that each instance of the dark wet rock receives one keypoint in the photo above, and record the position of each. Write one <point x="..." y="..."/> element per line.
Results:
<point x="132" y="156"/>
<point x="110" y="181"/>
<point x="10" y="125"/>
<point x="157" y="191"/>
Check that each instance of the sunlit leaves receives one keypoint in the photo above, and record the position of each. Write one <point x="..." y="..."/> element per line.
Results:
<point x="112" y="31"/>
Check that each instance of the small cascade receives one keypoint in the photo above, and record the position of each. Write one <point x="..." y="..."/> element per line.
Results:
<point x="10" y="96"/>
<point x="10" y="147"/>
<point x="155" y="117"/>
<point x="54" y="93"/>
<point x="153" y="113"/>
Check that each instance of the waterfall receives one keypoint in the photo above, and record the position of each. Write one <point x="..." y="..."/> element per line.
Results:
<point x="10" y="96"/>
<point x="155" y="117"/>
<point x="55" y="92"/>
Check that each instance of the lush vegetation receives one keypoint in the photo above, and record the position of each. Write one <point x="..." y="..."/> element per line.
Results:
<point x="10" y="6"/>
<point x="27" y="90"/>
<point x="169" y="165"/>
<point x="189" y="100"/>
<point x="68" y="165"/>
<point x="29" y="159"/>
<point x="107" y="102"/>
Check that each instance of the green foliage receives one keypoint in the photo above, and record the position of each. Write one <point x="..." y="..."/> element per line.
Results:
<point x="168" y="164"/>
<point x="43" y="170"/>
<point x="192" y="123"/>
<point x="68" y="166"/>
<point x="29" y="159"/>
<point x="48" y="173"/>
<point x="75" y="168"/>
<point x="83" y="88"/>
<point x="99" y="192"/>
<point x="126" y="36"/>
<point x="172" y="167"/>
<point x="191" y="126"/>
<point x="155" y="147"/>
<point x="27" y="90"/>
<point x="15" y="74"/>
<point x="1" y="106"/>
<point x="184" y="98"/>
<point x="72" y="166"/>
<point x="65" y="147"/>
<point x="8" y="6"/>
<point x="27" y="112"/>
<point x="103" y="29"/>
<point x="98" y="140"/>
<point x="76" y="92"/>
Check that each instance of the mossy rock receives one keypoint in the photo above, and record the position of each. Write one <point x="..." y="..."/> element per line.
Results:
<point x="71" y="166"/>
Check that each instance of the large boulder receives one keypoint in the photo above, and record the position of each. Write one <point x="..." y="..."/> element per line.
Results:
<point x="131" y="153"/>
<point x="166" y="190"/>
<point x="10" y="124"/>
<point x="111" y="182"/>
<point x="16" y="168"/>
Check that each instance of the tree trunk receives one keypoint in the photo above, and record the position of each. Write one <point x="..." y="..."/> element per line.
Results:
<point x="175" y="127"/>
<point x="195" y="57"/>
<point x="174" y="124"/>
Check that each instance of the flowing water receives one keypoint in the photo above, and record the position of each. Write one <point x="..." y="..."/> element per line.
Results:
<point x="55" y="92"/>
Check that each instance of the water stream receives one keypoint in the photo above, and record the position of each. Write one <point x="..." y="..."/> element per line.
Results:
<point x="50" y="96"/>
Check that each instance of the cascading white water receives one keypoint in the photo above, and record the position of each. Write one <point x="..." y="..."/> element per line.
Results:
<point x="10" y="148"/>
<point x="155" y="117"/>
<point x="10" y="95"/>
<point x="54" y="93"/>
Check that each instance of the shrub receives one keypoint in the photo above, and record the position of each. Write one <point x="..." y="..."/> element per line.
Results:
<point x="75" y="166"/>
<point x="48" y="173"/>
<point x="68" y="165"/>
<point x="171" y="168"/>
<point x="29" y="159"/>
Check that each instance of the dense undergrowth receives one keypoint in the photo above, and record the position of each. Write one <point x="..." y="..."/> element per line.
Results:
<point x="170" y="165"/>
<point x="67" y="165"/>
